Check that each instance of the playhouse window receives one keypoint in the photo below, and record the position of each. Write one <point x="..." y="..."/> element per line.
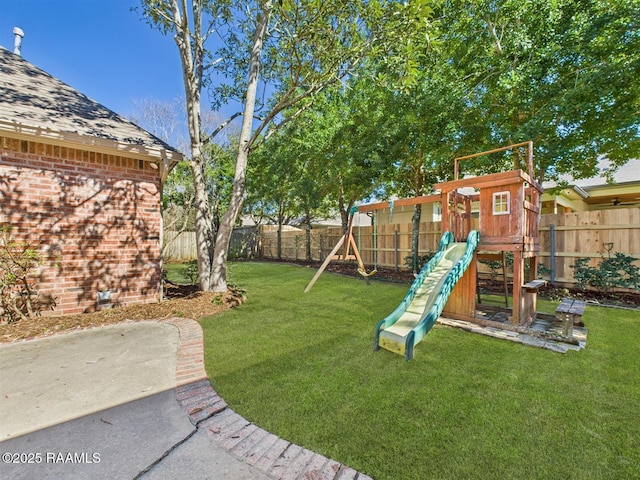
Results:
<point x="501" y="203"/>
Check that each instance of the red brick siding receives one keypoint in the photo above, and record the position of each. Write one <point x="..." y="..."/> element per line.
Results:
<point x="95" y="218"/>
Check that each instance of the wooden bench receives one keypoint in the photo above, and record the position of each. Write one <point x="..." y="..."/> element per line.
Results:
<point x="528" y="300"/>
<point x="570" y="312"/>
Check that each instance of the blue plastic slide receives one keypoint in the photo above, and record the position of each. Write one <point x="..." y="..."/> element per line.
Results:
<point x="403" y="329"/>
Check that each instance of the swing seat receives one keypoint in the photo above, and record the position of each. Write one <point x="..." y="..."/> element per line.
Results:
<point x="364" y="273"/>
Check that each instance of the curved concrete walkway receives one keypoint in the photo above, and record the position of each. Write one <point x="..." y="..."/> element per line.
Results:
<point x="59" y="378"/>
<point x="137" y="395"/>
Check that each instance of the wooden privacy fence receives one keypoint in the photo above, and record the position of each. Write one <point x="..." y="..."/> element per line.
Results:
<point x="387" y="246"/>
<point x="582" y="234"/>
<point x="181" y="246"/>
<point x="593" y="234"/>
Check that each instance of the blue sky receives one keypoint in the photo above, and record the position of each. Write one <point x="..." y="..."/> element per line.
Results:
<point x="99" y="47"/>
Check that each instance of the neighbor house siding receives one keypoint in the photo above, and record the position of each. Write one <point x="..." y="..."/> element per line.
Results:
<point x="94" y="218"/>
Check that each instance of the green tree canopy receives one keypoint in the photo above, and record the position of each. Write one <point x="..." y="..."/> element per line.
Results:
<point x="298" y="47"/>
<point x="561" y="73"/>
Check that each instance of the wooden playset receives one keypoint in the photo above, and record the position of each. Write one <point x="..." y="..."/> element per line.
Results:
<point x="507" y="222"/>
<point x="506" y="206"/>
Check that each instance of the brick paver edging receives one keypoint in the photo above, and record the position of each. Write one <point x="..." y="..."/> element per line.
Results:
<point x="249" y="443"/>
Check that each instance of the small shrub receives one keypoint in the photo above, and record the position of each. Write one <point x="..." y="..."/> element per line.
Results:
<point x="617" y="271"/>
<point x="543" y="270"/>
<point x="422" y="260"/>
<point x="190" y="272"/>
<point x="218" y="301"/>
<point x="582" y="272"/>
<point x="495" y="266"/>
<point x="18" y="264"/>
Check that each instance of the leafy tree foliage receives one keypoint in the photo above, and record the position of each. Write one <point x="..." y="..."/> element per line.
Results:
<point x="288" y="182"/>
<point x="560" y="73"/>
<point x="270" y="185"/>
<point x="354" y="157"/>
<point x="298" y="47"/>
<point x="484" y="73"/>
<point x="493" y="73"/>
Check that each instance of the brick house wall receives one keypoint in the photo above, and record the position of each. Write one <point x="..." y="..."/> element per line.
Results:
<point x="94" y="217"/>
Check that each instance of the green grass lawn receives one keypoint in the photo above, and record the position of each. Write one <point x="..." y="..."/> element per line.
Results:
<point x="302" y="366"/>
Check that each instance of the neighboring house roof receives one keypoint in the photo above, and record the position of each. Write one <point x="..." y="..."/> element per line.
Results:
<point x="33" y="103"/>
<point x="618" y="187"/>
<point x="629" y="172"/>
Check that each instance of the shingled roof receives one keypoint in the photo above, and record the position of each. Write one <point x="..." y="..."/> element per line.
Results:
<point x="34" y="103"/>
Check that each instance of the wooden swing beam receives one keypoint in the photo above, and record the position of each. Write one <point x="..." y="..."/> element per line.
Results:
<point x="402" y="202"/>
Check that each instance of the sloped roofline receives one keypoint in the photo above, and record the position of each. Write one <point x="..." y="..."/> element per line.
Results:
<point x="48" y="135"/>
<point x="35" y="104"/>
<point x="629" y="173"/>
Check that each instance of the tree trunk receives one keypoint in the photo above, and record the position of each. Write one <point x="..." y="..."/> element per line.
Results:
<point x="190" y="47"/>
<point x="279" y="241"/>
<point x="203" y="223"/>
<point x="418" y="181"/>
<point x="191" y="61"/>
<point x="415" y="236"/>
<point x="344" y="214"/>
<point x="221" y="249"/>
<point x="308" y="240"/>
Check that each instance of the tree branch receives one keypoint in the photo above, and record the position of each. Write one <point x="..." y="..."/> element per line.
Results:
<point x="208" y="138"/>
<point x="276" y="127"/>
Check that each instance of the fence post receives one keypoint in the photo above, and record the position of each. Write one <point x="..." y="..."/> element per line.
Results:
<point x="552" y="254"/>
<point x="395" y="248"/>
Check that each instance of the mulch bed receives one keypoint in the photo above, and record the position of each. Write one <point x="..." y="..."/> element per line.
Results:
<point x="181" y="301"/>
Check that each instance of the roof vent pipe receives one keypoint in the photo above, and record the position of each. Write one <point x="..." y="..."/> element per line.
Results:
<point x="18" y="40"/>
